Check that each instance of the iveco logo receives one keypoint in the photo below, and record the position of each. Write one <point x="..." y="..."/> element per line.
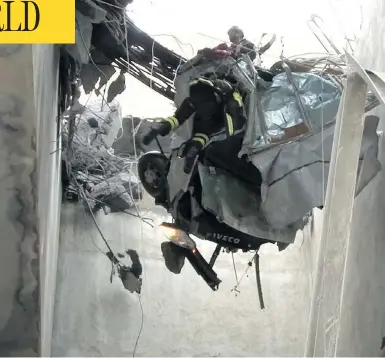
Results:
<point x="229" y="239"/>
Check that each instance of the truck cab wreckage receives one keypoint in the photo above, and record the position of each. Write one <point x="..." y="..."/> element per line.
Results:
<point x="292" y="110"/>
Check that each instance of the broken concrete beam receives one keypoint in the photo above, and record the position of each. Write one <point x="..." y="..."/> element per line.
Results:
<point x="117" y="192"/>
<point x="89" y="9"/>
<point x="80" y="51"/>
<point x="98" y="124"/>
<point x="124" y="144"/>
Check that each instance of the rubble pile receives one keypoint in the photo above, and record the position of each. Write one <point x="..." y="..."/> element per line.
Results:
<point x="91" y="167"/>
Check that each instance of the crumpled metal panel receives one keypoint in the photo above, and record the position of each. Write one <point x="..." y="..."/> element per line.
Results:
<point x="294" y="182"/>
<point x="295" y="174"/>
<point x="177" y="179"/>
<point x="238" y="205"/>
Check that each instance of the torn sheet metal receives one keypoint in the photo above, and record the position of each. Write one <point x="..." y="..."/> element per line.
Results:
<point x="295" y="174"/>
<point x="238" y="205"/>
<point x="177" y="179"/>
<point x="294" y="182"/>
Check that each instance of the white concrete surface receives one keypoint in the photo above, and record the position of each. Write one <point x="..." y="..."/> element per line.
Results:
<point x="182" y="316"/>
<point x="329" y="282"/>
<point x="48" y="144"/>
<point x="363" y="314"/>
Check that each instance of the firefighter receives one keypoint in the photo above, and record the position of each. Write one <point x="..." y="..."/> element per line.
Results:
<point x="217" y="109"/>
<point x="240" y="45"/>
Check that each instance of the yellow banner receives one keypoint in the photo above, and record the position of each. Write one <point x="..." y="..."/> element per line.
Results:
<point x="37" y="21"/>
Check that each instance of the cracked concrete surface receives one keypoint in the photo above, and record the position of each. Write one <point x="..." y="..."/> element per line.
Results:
<point x="19" y="251"/>
<point x="27" y="218"/>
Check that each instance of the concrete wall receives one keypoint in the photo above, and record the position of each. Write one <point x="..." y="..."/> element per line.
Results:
<point x="182" y="316"/>
<point x="28" y="84"/>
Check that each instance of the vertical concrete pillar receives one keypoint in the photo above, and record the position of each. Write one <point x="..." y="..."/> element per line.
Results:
<point x="335" y="309"/>
<point x="326" y="301"/>
<point x="29" y="197"/>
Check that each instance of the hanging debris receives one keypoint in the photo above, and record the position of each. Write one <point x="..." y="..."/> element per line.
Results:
<point x="130" y="274"/>
<point x="116" y="87"/>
